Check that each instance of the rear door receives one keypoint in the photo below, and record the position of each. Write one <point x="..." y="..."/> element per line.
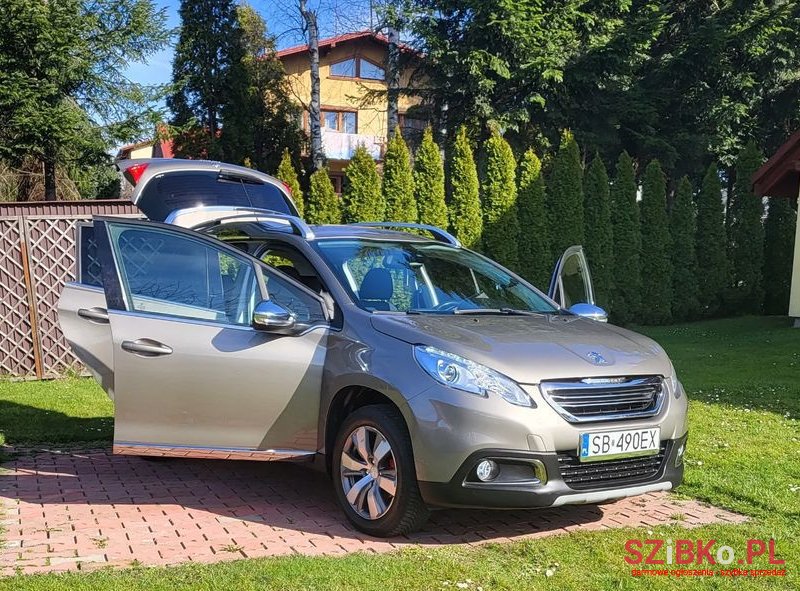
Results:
<point x="572" y="282"/>
<point x="191" y="375"/>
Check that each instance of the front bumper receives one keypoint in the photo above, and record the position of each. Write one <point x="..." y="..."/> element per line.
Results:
<point x="552" y="491"/>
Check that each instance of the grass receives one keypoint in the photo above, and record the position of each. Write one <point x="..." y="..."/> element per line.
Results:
<point x="743" y="376"/>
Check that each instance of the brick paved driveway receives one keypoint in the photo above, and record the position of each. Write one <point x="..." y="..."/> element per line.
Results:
<point x="75" y="510"/>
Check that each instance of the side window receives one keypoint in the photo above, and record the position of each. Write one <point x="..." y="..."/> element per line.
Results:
<point x="306" y="308"/>
<point x="167" y="273"/>
<point x="87" y="263"/>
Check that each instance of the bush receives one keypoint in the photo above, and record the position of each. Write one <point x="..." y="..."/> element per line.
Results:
<point x="398" y="181"/>
<point x="500" y="223"/>
<point x="362" y="200"/>
<point x="746" y="240"/>
<point x="429" y="182"/>
<point x="288" y="175"/>
<point x="682" y="227"/>
<point x="627" y="279"/>
<point x="565" y="197"/>
<point x="464" y="208"/>
<point x="534" y="243"/>
<point x="598" y="238"/>
<point x="712" y="261"/>
<point x="655" y="262"/>
<point x="779" y="239"/>
<point x="324" y="206"/>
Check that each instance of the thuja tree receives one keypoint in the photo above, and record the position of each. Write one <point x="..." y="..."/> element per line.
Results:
<point x="598" y="238"/>
<point x="779" y="239"/>
<point x="429" y="182"/>
<point x="655" y="261"/>
<point x="746" y="240"/>
<point x="565" y="196"/>
<point x="288" y="175"/>
<point x="682" y="227"/>
<point x="534" y="241"/>
<point x="710" y="244"/>
<point x="464" y="208"/>
<point x="626" y="292"/>
<point x="324" y="206"/>
<point x="398" y="181"/>
<point x="362" y="200"/>
<point x="500" y="223"/>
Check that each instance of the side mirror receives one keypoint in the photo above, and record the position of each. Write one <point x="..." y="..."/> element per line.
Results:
<point x="273" y="317"/>
<point x="590" y="311"/>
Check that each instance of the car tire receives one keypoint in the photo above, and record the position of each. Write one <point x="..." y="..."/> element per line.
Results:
<point x="374" y="510"/>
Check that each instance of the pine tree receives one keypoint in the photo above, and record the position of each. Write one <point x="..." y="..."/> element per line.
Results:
<point x="288" y="175"/>
<point x="464" y="208"/>
<point x="746" y="241"/>
<point x="429" y="182"/>
<point x="779" y="239"/>
<point x="398" y="181"/>
<point x="565" y="196"/>
<point x="598" y="239"/>
<point x="362" y="200"/>
<point x="683" y="227"/>
<point x="534" y="243"/>
<point x="655" y="262"/>
<point x="627" y="278"/>
<point x="712" y="260"/>
<point x="500" y="222"/>
<point x="324" y="206"/>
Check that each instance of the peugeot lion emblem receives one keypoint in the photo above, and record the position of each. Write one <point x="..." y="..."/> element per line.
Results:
<point x="596" y="358"/>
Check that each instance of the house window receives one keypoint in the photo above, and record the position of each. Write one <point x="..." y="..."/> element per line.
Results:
<point x="343" y="121"/>
<point x="358" y="68"/>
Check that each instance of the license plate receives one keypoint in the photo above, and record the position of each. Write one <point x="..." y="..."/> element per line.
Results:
<point x="606" y="445"/>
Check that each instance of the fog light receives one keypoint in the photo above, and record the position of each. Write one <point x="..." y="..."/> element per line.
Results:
<point x="487" y="470"/>
<point x="679" y="455"/>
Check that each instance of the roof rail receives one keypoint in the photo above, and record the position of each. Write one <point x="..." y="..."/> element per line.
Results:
<point x="220" y="215"/>
<point x="438" y="233"/>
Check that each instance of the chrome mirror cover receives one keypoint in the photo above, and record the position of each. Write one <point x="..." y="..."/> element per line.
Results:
<point x="589" y="311"/>
<point x="271" y="316"/>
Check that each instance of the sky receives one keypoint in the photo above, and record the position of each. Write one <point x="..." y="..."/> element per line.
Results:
<point x="281" y="16"/>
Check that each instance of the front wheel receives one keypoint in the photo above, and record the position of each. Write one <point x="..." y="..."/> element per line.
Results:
<point x="373" y="473"/>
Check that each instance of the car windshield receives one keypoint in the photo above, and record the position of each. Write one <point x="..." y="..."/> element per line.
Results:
<point x="427" y="277"/>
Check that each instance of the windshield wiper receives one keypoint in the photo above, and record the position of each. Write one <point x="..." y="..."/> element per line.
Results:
<point x="495" y="311"/>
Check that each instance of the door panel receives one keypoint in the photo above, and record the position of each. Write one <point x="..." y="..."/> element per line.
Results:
<point x="190" y="371"/>
<point x="83" y="318"/>
<point x="572" y="282"/>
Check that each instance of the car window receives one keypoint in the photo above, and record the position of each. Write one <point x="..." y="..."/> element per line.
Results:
<point x="306" y="308"/>
<point x="167" y="273"/>
<point x="87" y="264"/>
<point x="181" y="189"/>
<point x="425" y="277"/>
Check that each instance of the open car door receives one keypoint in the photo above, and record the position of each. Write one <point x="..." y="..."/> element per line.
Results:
<point x="571" y="285"/>
<point x="191" y="375"/>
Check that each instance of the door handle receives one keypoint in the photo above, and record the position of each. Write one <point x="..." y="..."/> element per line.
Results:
<point x="98" y="315"/>
<point x="146" y="348"/>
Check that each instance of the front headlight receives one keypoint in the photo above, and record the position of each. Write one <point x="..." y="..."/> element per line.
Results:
<point x="468" y="376"/>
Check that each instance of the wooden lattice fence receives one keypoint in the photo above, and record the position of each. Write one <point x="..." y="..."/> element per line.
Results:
<point x="37" y="256"/>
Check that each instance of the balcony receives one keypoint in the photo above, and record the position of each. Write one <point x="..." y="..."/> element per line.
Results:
<point x="341" y="146"/>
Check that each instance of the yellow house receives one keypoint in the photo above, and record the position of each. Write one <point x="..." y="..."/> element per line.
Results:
<point x="352" y="69"/>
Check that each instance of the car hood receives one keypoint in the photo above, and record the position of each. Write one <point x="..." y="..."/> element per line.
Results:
<point x="529" y="349"/>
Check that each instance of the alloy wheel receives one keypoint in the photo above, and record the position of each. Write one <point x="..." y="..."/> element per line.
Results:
<point x="368" y="472"/>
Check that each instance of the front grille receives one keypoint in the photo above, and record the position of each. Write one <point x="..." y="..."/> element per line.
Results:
<point x="605" y="399"/>
<point x="583" y="475"/>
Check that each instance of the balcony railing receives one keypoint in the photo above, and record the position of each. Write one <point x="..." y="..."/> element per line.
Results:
<point x="341" y="146"/>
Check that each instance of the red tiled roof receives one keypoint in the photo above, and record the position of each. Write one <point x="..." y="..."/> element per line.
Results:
<point x="333" y="41"/>
<point x="780" y="175"/>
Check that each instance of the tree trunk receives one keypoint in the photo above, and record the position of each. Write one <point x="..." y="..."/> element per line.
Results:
<point x="314" y="123"/>
<point x="49" y="161"/>
<point x="393" y="80"/>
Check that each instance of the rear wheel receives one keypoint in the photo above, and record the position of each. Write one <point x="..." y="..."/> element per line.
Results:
<point x="373" y="473"/>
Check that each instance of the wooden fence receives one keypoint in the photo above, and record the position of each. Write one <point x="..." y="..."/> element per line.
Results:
<point x="37" y="256"/>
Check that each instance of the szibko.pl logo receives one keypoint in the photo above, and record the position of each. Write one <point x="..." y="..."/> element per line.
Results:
<point x="704" y="553"/>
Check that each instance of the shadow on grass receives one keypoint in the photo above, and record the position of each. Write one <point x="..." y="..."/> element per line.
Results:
<point x="23" y="425"/>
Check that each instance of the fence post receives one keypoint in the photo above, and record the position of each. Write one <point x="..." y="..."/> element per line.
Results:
<point x="30" y="289"/>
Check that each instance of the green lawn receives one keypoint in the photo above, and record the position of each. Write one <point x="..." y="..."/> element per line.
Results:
<point x="743" y="376"/>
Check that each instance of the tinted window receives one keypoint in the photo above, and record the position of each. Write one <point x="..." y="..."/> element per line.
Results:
<point x="167" y="273"/>
<point x="306" y="308"/>
<point x="178" y="190"/>
<point x="88" y="271"/>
